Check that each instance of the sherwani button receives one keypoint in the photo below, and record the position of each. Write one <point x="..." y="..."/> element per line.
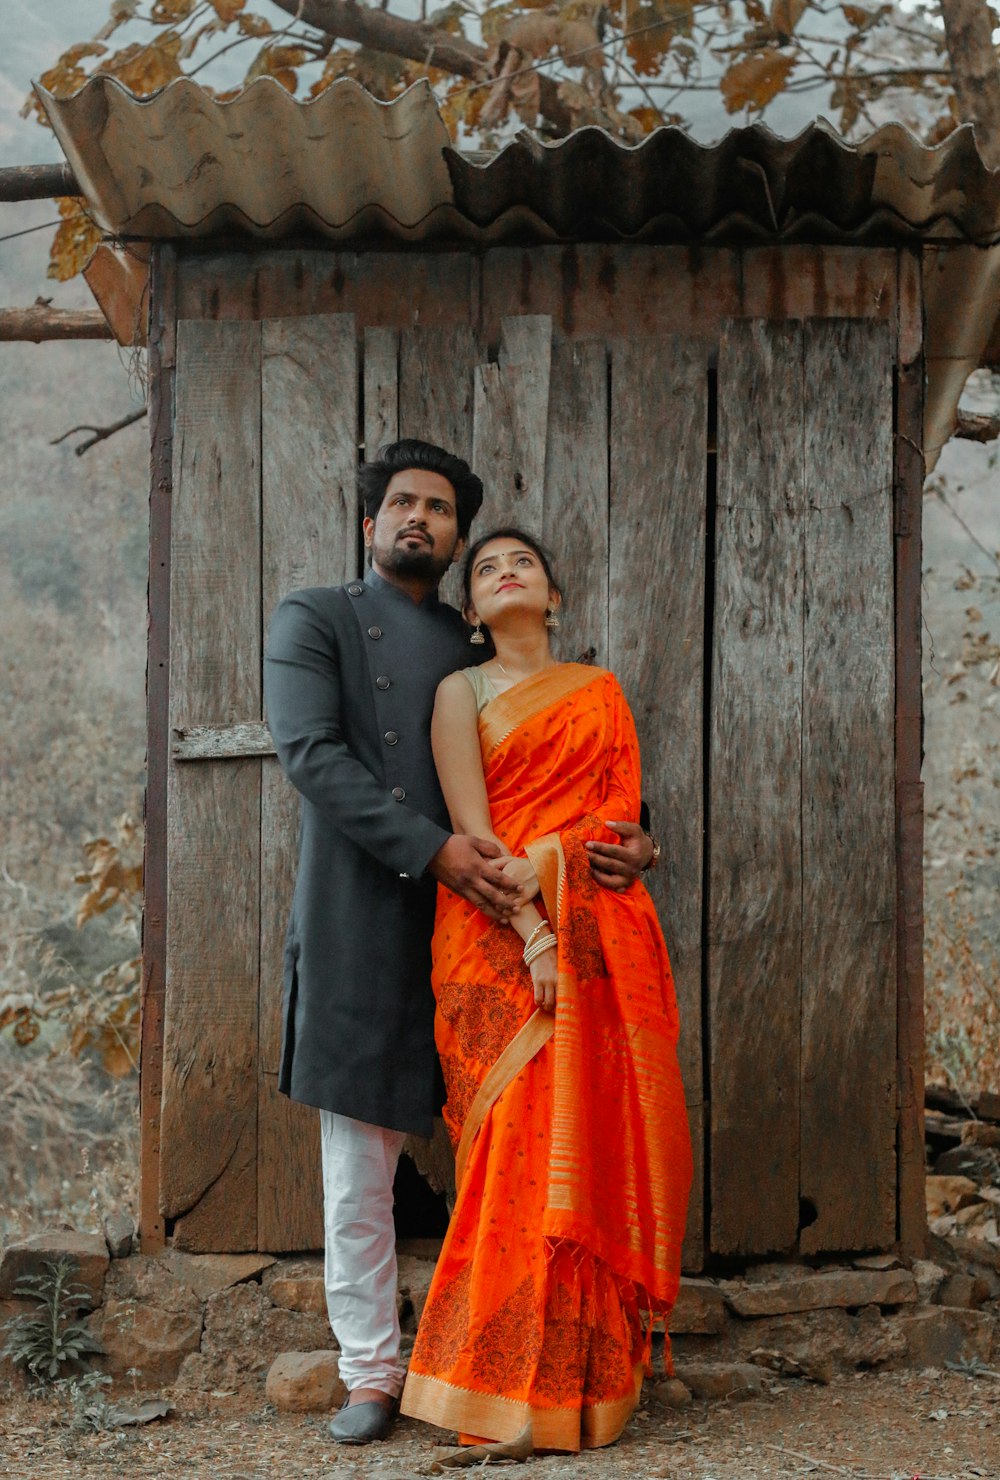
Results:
<point x="391" y="737"/>
<point x="355" y="589"/>
<point x="399" y="793"/>
<point x="375" y="632"/>
<point x="381" y="682"/>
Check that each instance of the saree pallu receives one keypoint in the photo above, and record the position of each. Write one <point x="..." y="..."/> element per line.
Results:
<point x="573" y="1159"/>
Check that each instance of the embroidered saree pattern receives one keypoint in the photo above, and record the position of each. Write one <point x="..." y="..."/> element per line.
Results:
<point x="574" y="1161"/>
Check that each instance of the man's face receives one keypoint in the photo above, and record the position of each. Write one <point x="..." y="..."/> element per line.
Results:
<point x="415" y="532"/>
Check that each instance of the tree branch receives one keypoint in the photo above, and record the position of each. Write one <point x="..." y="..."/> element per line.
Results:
<point x="41" y="322"/>
<point x="976" y="426"/>
<point x="37" y="181"/>
<point x="100" y="433"/>
<point x="347" y="20"/>
<point x="968" y="29"/>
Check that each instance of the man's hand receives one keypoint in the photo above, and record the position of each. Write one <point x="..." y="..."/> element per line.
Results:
<point x="464" y="865"/>
<point x="617" y="865"/>
<point x="519" y="870"/>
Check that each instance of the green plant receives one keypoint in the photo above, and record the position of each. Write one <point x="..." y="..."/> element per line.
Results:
<point x="54" y="1338"/>
<point x="85" y="1401"/>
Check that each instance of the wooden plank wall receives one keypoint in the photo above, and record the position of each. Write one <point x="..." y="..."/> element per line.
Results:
<point x="309" y="538"/>
<point x="598" y="444"/>
<point x="802" y="876"/>
<point x="208" y="1163"/>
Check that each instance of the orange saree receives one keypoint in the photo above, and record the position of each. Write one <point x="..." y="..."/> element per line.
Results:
<point x="573" y="1159"/>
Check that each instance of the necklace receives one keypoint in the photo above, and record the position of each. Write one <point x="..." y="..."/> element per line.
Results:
<point x="527" y="675"/>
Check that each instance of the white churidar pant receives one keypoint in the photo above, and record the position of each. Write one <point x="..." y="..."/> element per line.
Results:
<point x="359" y="1164"/>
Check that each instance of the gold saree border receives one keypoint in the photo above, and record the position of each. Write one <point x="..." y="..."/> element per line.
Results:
<point x="502" y="715"/>
<point x="521" y="1049"/>
<point x="500" y="1420"/>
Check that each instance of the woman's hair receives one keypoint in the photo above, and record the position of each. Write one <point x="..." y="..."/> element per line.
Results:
<point x="397" y="457"/>
<point x="506" y="532"/>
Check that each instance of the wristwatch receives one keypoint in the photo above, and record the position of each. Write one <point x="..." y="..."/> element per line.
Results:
<point x="654" y="860"/>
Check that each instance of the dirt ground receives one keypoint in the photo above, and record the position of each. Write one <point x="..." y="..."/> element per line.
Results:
<point x="888" y="1426"/>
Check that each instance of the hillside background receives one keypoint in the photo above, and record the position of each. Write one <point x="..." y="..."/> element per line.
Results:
<point x="72" y="634"/>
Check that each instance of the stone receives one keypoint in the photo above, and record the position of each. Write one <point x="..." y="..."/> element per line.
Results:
<point x="963" y="1291"/>
<point x="672" y="1393"/>
<point x="975" y="1162"/>
<point x="208" y="1274"/>
<point x="119" y="1234"/>
<point x="843" y="1288"/>
<point x="876" y="1261"/>
<point x="975" y="1133"/>
<point x="819" y="1343"/>
<point x="732" y="1380"/>
<point x="305" y="1382"/>
<point x="145" y="1342"/>
<point x="929" y="1278"/>
<point x="86" y="1252"/>
<point x="942" y="1334"/>
<point x="971" y="1256"/>
<point x="304" y="1292"/>
<point x="978" y="1220"/>
<point x="149" y="1322"/>
<point x="946" y="1194"/>
<point x="700" y="1309"/>
<point x="777" y="1269"/>
<point x="414" y="1278"/>
<point x="296" y="1284"/>
<point x="243" y="1334"/>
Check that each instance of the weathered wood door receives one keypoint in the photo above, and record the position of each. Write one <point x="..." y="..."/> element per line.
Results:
<point x="718" y="493"/>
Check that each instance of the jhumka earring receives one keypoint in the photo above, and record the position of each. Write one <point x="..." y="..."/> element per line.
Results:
<point x="477" y="639"/>
<point x="551" y="620"/>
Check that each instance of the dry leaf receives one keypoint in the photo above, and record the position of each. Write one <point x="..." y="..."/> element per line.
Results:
<point x="254" y="25"/>
<point x="648" y="49"/>
<point x="168" y="11"/>
<point x="785" y="15"/>
<point x="74" y="243"/>
<point x="756" y="80"/>
<point x="227" y="10"/>
<point x="647" y="118"/>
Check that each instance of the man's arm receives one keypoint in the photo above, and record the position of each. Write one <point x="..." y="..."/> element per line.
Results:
<point x="302" y="688"/>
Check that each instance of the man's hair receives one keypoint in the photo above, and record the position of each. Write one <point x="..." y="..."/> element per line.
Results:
<point x="397" y="457"/>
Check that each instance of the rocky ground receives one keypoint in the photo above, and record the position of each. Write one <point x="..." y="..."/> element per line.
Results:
<point x="873" y="1426"/>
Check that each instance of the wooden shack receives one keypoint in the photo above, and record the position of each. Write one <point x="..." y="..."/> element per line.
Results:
<point x="700" y="375"/>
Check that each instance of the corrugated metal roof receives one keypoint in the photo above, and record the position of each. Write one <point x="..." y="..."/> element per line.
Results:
<point x="181" y="164"/>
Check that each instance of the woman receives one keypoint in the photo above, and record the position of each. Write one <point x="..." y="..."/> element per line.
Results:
<point x="557" y="1035"/>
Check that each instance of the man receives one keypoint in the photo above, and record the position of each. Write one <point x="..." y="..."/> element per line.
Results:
<point x="350" y="678"/>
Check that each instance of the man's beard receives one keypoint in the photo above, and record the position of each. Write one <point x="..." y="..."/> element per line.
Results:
<point x="423" y="562"/>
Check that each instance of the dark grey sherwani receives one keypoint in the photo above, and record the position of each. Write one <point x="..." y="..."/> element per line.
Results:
<point x="349" y="677"/>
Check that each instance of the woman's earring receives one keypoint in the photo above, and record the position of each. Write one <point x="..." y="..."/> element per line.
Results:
<point x="477" y="639"/>
<point x="551" y="620"/>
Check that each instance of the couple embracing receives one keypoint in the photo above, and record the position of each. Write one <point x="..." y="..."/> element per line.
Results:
<point x="468" y="896"/>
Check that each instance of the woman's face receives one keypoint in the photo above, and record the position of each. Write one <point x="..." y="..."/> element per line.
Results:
<point x="508" y="578"/>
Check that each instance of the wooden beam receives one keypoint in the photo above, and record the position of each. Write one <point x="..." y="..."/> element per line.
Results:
<point x="41" y="322"/>
<point x="221" y="742"/>
<point x="37" y="182"/>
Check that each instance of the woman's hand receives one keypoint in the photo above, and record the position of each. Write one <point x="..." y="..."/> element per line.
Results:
<point x="543" y="975"/>
<point x="523" y="875"/>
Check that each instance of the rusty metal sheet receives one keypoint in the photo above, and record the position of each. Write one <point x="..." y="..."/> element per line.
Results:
<point x="181" y="163"/>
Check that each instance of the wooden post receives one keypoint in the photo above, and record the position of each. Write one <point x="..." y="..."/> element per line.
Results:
<point x="908" y="504"/>
<point x="162" y="360"/>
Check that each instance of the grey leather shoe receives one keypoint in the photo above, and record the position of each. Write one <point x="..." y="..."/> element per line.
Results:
<point x="363" y="1423"/>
